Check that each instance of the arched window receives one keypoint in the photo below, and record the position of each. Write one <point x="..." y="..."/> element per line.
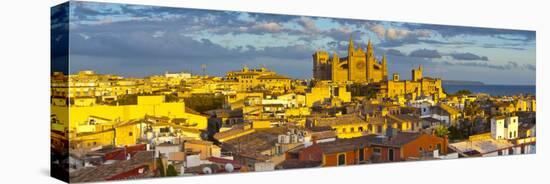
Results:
<point x="342" y="159"/>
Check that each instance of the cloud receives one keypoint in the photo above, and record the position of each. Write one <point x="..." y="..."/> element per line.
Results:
<point x="134" y="35"/>
<point x="343" y="34"/>
<point x="529" y="67"/>
<point x="269" y="27"/>
<point x="394" y="52"/>
<point x="308" y="24"/>
<point x="158" y="34"/>
<point x="468" y="56"/>
<point x="504" y="46"/>
<point x="425" y="53"/>
<point x="510" y="65"/>
<point x="379" y="30"/>
<point x="452" y="31"/>
<point x="396" y="33"/>
<point x="139" y="54"/>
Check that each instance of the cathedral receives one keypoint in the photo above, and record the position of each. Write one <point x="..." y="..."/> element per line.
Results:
<point x="359" y="66"/>
<point x="362" y="67"/>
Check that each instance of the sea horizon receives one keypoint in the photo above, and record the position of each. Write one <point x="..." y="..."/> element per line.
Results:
<point x="492" y="89"/>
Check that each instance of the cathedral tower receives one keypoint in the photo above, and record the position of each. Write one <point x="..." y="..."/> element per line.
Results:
<point x="417" y="74"/>
<point x="370" y="62"/>
<point x="356" y="63"/>
<point x="384" y="67"/>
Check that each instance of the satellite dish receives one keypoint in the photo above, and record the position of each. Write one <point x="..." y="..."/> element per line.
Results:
<point x="206" y="170"/>
<point x="229" y="167"/>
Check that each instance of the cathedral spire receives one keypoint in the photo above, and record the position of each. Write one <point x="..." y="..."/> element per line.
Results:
<point x="370" y="51"/>
<point x="384" y="67"/>
<point x="351" y="48"/>
<point x="369" y="45"/>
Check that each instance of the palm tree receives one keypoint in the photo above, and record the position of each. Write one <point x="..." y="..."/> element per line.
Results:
<point x="441" y="131"/>
<point x="472" y="110"/>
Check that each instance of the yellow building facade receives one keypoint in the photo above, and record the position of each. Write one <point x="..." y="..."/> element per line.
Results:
<point x="122" y="135"/>
<point x="418" y="86"/>
<point x="146" y="105"/>
<point x="325" y="91"/>
<point x="259" y="79"/>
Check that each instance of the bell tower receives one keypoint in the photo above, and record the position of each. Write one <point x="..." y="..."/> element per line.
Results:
<point x="384" y="67"/>
<point x="370" y="62"/>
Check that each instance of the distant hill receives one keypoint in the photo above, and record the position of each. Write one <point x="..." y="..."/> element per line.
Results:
<point x="459" y="82"/>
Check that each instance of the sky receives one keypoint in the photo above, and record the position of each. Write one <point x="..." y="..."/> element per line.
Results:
<point x="137" y="41"/>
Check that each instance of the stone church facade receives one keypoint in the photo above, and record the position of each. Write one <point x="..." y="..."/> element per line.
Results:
<point x="359" y="66"/>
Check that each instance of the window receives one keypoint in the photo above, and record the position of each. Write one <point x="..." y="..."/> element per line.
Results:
<point x="130" y="134"/>
<point x="376" y="150"/>
<point x="361" y="154"/>
<point x="353" y="130"/>
<point x="360" y="129"/>
<point x="342" y="159"/>
<point x="343" y="129"/>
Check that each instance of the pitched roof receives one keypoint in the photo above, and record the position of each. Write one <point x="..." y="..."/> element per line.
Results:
<point x="236" y="130"/>
<point x="295" y="164"/>
<point x="192" y="111"/>
<point x="198" y="142"/>
<point x="402" y="138"/>
<point x="403" y="117"/>
<point x="343" y="145"/>
<point x="448" y="109"/>
<point x="259" y="140"/>
<point x="273" y="76"/>
<point x="107" y="172"/>
<point x="344" y="119"/>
